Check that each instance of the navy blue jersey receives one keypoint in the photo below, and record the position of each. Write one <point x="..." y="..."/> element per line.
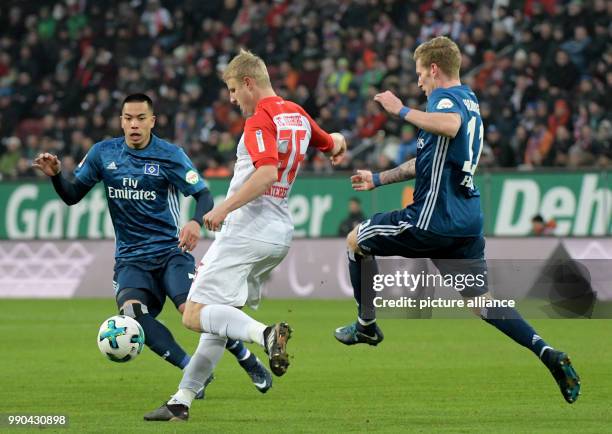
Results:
<point x="142" y="192"/>
<point x="446" y="202"/>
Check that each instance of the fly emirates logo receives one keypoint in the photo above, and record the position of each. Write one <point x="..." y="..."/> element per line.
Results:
<point x="130" y="191"/>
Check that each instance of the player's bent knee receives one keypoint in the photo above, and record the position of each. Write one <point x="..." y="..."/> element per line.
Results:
<point x="187" y="322"/>
<point x="191" y="316"/>
<point x="133" y="309"/>
<point x="351" y="242"/>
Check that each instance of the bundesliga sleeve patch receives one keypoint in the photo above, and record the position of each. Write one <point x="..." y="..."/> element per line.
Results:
<point x="444" y="103"/>
<point x="192" y="177"/>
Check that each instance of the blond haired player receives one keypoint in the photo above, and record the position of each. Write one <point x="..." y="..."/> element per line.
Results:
<point x="444" y="222"/>
<point x="255" y="228"/>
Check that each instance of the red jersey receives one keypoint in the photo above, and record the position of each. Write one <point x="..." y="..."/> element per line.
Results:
<point x="278" y="133"/>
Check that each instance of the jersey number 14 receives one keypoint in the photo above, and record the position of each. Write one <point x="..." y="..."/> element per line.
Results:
<point x="469" y="166"/>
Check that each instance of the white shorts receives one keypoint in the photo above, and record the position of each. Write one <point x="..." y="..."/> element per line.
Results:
<point x="233" y="271"/>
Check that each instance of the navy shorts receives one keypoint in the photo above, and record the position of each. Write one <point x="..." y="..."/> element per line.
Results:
<point x="392" y="234"/>
<point x="153" y="280"/>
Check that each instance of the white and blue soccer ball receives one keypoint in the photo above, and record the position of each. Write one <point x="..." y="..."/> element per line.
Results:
<point x="121" y="338"/>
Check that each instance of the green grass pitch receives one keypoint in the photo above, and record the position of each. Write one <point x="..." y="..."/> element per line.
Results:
<point x="427" y="376"/>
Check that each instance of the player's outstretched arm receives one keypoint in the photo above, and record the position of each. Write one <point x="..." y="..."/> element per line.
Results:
<point x="441" y="124"/>
<point x="404" y="172"/>
<point x="364" y="180"/>
<point x="70" y="192"/>
<point x="260" y="181"/>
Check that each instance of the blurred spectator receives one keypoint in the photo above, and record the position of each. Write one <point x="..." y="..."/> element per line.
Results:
<point x="544" y="43"/>
<point x="355" y="216"/>
<point x="214" y="170"/>
<point x="603" y="143"/>
<point x="340" y="79"/>
<point x="500" y="147"/>
<point x="25" y="170"/>
<point x="371" y="121"/>
<point x="560" y="116"/>
<point x="562" y="144"/>
<point x="541" y="70"/>
<point x="156" y="18"/>
<point x="538" y="146"/>
<point x="577" y="47"/>
<point x="10" y="157"/>
<point x="540" y="227"/>
<point x="407" y="146"/>
<point x="584" y="151"/>
<point x="563" y="73"/>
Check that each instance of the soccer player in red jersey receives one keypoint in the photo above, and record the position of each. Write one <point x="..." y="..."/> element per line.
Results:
<point x="254" y="228"/>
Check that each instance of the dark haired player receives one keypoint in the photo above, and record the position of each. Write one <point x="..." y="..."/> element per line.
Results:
<point x="142" y="176"/>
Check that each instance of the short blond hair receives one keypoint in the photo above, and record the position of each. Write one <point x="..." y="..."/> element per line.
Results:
<point x="247" y="64"/>
<point x="443" y="52"/>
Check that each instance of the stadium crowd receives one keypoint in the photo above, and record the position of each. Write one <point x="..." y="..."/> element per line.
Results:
<point x="542" y="71"/>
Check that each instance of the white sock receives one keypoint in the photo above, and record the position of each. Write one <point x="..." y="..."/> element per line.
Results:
<point x="202" y="363"/>
<point x="182" y="396"/>
<point x="230" y="322"/>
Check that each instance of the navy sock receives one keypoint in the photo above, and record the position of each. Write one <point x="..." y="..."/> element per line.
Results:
<point x="159" y="339"/>
<point x="512" y="324"/>
<point x="242" y="353"/>
<point x="361" y="271"/>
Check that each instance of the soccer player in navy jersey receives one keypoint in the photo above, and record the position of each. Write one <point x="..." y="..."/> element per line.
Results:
<point x="142" y="176"/>
<point x="445" y="221"/>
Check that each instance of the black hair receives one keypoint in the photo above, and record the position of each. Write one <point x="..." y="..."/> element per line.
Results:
<point x="537" y="218"/>
<point x="137" y="97"/>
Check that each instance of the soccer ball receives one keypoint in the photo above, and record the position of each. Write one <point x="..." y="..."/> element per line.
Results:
<point x="121" y="338"/>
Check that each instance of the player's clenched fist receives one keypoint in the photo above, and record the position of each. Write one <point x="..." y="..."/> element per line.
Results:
<point x="339" y="148"/>
<point x="49" y="164"/>
<point x="362" y="180"/>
